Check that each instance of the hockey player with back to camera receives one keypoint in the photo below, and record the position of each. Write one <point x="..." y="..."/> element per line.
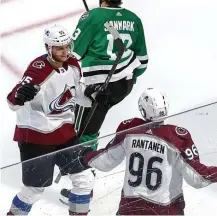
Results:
<point x="158" y="157"/>
<point x="44" y="101"/>
<point x="94" y="46"/>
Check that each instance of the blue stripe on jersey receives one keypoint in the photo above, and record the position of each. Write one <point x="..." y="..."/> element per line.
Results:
<point x="21" y="205"/>
<point x="79" y="199"/>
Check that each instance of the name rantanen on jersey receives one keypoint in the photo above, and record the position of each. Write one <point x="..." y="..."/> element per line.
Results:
<point x="149" y="145"/>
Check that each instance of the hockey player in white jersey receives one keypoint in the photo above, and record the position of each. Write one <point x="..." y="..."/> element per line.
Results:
<point x="44" y="101"/>
<point x="158" y="158"/>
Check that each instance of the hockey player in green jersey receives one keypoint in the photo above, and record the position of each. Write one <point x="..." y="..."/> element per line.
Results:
<point x="94" y="46"/>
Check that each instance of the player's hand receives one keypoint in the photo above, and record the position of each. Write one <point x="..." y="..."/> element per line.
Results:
<point x="83" y="150"/>
<point x="102" y="97"/>
<point x="94" y="93"/>
<point x="26" y="93"/>
<point x="78" y="159"/>
<point x="91" y="91"/>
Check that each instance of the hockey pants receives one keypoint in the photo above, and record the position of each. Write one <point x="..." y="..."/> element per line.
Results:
<point x="117" y="91"/>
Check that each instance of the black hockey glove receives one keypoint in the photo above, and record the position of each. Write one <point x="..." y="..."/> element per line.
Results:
<point x="81" y="155"/>
<point x="94" y="93"/>
<point x="26" y="93"/>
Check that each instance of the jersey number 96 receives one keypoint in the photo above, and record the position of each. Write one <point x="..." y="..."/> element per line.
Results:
<point x="150" y="170"/>
<point x="191" y="152"/>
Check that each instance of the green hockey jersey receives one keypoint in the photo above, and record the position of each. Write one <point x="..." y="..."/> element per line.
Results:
<point x="95" y="47"/>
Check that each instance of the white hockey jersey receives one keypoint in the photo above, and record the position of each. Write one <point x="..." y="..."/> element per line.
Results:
<point x="48" y="118"/>
<point x="157" y="160"/>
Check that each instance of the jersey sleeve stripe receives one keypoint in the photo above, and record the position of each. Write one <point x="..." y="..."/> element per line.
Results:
<point x="142" y="66"/>
<point x="142" y="58"/>
<point x="198" y="175"/>
<point x="144" y="61"/>
<point x="12" y="106"/>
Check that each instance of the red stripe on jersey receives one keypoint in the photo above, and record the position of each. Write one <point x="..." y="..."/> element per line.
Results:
<point x="57" y="137"/>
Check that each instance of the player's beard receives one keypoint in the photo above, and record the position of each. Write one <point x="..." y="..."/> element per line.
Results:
<point x="60" y="59"/>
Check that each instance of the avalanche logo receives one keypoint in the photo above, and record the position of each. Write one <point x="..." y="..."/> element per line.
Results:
<point x="63" y="102"/>
<point x="38" y="64"/>
<point x="181" y="131"/>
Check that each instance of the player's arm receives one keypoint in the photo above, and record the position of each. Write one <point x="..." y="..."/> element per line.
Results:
<point x="141" y="50"/>
<point x="84" y="34"/>
<point x="109" y="157"/>
<point x="25" y="90"/>
<point x="194" y="172"/>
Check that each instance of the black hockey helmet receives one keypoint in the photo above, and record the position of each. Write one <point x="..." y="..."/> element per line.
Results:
<point x="111" y="2"/>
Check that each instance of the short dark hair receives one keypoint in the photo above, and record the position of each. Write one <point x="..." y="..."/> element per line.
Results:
<point x="114" y="3"/>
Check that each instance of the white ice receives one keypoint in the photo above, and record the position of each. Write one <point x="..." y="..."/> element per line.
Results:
<point x="182" y="47"/>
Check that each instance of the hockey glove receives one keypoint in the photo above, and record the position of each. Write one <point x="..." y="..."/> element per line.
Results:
<point x="94" y="93"/>
<point x="81" y="155"/>
<point x="26" y="93"/>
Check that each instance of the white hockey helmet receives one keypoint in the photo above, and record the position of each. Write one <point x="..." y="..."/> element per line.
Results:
<point x="56" y="35"/>
<point x="153" y="104"/>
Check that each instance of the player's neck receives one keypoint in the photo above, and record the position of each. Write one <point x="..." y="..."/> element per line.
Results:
<point x="55" y="65"/>
<point x="104" y="4"/>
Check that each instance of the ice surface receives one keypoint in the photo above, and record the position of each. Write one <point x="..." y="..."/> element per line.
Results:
<point x="202" y="125"/>
<point x="182" y="47"/>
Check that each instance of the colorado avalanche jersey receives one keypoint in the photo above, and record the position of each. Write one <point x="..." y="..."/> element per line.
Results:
<point x="48" y="118"/>
<point x="157" y="159"/>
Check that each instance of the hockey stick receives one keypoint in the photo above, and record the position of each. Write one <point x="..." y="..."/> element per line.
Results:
<point x="85" y="5"/>
<point x="120" y="48"/>
<point x="57" y="179"/>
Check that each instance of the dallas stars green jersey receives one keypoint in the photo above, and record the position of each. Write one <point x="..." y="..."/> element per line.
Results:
<point x="95" y="46"/>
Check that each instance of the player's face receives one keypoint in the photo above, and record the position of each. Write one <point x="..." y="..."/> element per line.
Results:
<point x="61" y="53"/>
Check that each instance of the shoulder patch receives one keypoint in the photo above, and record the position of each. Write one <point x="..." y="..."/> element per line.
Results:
<point x="127" y="121"/>
<point x="181" y="131"/>
<point x="84" y="16"/>
<point x="38" y="64"/>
